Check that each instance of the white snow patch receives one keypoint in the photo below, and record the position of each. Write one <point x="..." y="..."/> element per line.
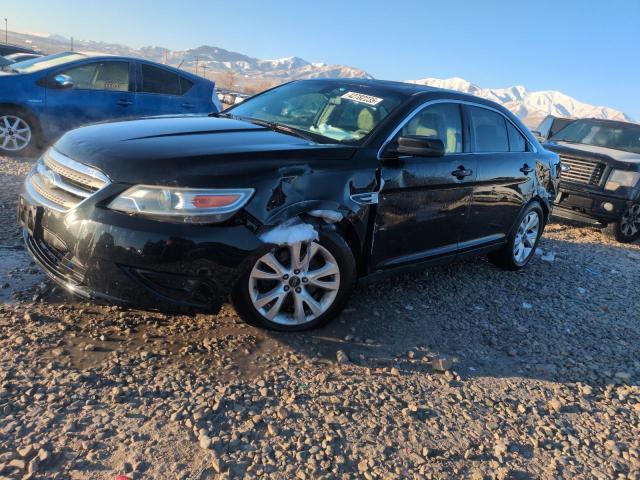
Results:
<point x="329" y="216"/>
<point x="290" y="232"/>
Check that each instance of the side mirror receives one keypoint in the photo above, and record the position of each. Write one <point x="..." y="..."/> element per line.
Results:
<point x="418" y="146"/>
<point x="63" y="81"/>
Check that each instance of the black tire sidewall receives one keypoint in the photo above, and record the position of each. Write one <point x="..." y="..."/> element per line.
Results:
<point x="241" y="299"/>
<point x="616" y="231"/>
<point x="27" y="117"/>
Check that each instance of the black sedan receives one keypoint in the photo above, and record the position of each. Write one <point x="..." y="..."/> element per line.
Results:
<point x="284" y="201"/>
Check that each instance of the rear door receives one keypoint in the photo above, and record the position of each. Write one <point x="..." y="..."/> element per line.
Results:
<point x="505" y="168"/>
<point x="423" y="204"/>
<point x="163" y="92"/>
<point x="102" y="90"/>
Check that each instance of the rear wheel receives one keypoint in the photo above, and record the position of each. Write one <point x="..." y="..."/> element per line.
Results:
<point x="627" y="230"/>
<point x="522" y="243"/>
<point x="297" y="287"/>
<point x="18" y="133"/>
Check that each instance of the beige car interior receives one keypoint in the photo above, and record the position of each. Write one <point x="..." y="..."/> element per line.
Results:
<point x="433" y="125"/>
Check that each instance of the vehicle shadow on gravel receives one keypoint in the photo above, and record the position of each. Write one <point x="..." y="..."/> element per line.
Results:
<point x="569" y="318"/>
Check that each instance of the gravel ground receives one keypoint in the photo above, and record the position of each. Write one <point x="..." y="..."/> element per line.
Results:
<point x="462" y="371"/>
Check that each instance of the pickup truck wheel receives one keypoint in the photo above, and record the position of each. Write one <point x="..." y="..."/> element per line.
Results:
<point x="523" y="241"/>
<point x="19" y="133"/>
<point x="297" y="287"/>
<point x="627" y="230"/>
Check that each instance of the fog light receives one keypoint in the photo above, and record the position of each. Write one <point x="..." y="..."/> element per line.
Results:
<point x="608" y="206"/>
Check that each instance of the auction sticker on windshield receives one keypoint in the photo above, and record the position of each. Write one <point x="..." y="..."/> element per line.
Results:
<point x="361" y="98"/>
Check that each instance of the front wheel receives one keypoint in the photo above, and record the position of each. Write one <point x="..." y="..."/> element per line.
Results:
<point x="523" y="241"/>
<point x="18" y="133"/>
<point x="627" y="230"/>
<point x="297" y="287"/>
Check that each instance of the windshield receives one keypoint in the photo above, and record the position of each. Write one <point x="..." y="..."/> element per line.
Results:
<point x="589" y="132"/>
<point x="40" y="63"/>
<point x="341" y="113"/>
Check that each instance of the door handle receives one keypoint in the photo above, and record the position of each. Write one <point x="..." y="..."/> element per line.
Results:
<point x="461" y="172"/>
<point x="124" y="102"/>
<point x="187" y="105"/>
<point x="526" y="169"/>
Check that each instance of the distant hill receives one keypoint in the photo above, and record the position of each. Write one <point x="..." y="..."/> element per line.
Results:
<point x="239" y="71"/>
<point x="530" y="106"/>
<point x="224" y="65"/>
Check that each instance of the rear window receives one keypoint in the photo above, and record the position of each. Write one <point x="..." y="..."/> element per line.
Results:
<point x="517" y="142"/>
<point x="489" y="130"/>
<point x="165" y="82"/>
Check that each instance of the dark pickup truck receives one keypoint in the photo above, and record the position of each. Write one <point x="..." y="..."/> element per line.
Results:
<point x="600" y="173"/>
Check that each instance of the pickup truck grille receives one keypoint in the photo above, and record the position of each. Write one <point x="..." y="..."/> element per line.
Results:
<point x="577" y="170"/>
<point x="61" y="183"/>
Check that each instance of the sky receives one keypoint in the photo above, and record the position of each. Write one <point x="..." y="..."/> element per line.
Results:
<point x="587" y="49"/>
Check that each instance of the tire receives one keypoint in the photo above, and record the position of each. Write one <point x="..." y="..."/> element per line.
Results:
<point x="511" y="258"/>
<point x="19" y="133"/>
<point x="261" y="280"/>
<point x="627" y="230"/>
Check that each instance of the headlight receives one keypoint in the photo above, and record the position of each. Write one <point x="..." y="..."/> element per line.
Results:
<point x="621" y="178"/>
<point x="181" y="205"/>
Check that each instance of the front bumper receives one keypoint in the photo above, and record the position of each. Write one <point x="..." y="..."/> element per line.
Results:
<point x="588" y="206"/>
<point x="104" y="255"/>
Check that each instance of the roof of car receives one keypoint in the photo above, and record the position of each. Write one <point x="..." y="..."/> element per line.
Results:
<point x="412" y="89"/>
<point x="407" y="88"/>
<point x="619" y="123"/>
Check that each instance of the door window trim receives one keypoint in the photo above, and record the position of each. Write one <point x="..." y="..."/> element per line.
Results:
<point x="417" y="110"/>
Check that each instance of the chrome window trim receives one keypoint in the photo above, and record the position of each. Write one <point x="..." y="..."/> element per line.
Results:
<point x="429" y="103"/>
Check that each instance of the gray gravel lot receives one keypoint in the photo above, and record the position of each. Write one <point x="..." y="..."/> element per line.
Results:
<point x="541" y="380"/>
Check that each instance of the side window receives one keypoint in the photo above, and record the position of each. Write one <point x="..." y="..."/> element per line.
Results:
<point x="101" y="76"/>
<point x="159" y="80"/>
<point x="489" y="130"/>
<point x="517" y="143"/>
<point x="443" y="121"/>
<point x="185" y="85"/>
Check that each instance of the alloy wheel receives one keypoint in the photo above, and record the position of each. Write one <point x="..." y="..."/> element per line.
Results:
<point x="15" y="133"/>
<point x="526" y="237"/>
<point x="295" y="284"/>
<point x="630" y="222"/>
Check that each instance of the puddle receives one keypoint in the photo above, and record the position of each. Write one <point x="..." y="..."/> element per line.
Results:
<point x="18" y="274"/>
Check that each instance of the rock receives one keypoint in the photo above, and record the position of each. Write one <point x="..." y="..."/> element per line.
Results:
<point x="442" y="363"/>
<point x="205" y="442"/>
<point x="624" y="377"/>
<point x="89" y="347"/>
<point x="217" y="464"/>
<point x="282" y="413"/>
<point x="18" y="463"/>
<point x="554" y="405"/>
<point x="500" y="448"/>
<point x="342" y="357"/>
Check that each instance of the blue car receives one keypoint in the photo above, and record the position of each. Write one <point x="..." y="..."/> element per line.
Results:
<point x="42" y="98"/>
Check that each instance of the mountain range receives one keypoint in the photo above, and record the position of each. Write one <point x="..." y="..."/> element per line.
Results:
<point x="530" y="106"/>
<point x="242" y="72"/>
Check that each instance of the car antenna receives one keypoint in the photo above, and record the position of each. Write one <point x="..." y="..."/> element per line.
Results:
<point x="178" y="67"/>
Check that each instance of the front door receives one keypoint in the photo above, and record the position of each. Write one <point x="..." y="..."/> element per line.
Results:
<point x="424" y="201"/>
<point x="101" y="91"/>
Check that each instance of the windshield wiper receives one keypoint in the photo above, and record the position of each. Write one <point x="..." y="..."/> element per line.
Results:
<point x="280" y="127"/>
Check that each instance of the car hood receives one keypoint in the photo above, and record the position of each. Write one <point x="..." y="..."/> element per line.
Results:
<point x="189" y="150"/>
<point x="606" y="155"/>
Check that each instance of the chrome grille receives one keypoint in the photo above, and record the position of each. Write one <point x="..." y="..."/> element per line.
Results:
<point x="62" y="183"/>
<point x="577" y="170"/>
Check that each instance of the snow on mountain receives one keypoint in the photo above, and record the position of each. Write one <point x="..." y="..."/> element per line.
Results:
<point x="206" y="59"/>
<point x="531" y="107"/>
